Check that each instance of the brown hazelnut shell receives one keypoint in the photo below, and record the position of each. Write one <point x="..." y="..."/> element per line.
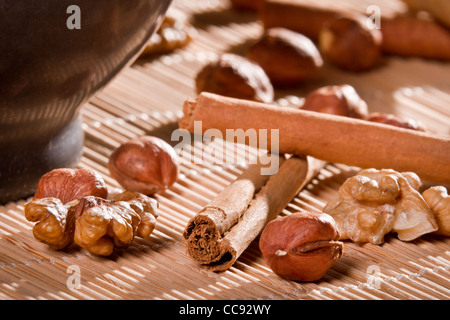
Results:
<point x="145" y="164"/>
<point x="235" y="76"/>
<point x="288" y="58"/>
<point x="341" y="100"/>
<point x="69" y="184"/>
<point x="348" y="43"/>
<point x="301" y="246"/>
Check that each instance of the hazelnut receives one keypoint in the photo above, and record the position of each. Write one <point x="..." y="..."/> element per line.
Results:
<point x="145" y="164"/>
<point x="397" y="121"/>
<point x="288" y="58"/>
<point x="349" y="43"/>
<point x="301" y="246"/>
<point x="340" y="100"/>
<point x="68" y="184"/>
<point x="235" y="76"/>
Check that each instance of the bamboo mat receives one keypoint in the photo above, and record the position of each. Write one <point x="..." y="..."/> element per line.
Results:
<point x="146" y="98"/>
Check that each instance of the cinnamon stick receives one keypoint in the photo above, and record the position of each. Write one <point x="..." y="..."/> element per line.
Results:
<point x="327" y="137"/>
<point x="222" y="230"/>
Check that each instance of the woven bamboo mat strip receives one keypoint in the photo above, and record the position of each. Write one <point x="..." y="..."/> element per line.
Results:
<point x="146" y="98"/>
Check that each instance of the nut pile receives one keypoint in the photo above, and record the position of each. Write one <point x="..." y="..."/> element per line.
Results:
<point x="74" y="206"/>
<point x="70" y="206"/>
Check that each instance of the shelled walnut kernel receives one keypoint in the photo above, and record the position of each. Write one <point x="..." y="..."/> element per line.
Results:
<point x="375" y="202"/>
<point x="95" y="224"/>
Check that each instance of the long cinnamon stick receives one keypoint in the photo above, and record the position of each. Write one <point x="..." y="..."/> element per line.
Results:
<point x="219" y="233"/>
<point x="327" y="137"/>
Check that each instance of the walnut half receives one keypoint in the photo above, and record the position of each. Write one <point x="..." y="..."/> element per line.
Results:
<point x="95" y="224"/>
<point x="376" y="202"/>
<point x="439" y="201"/>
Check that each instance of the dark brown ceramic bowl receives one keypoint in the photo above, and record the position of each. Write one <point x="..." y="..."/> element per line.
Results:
<point x="48" y="70"/>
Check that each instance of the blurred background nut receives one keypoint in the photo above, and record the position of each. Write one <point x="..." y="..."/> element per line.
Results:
<point x="301" y="246"/>
<point x="175" y="32"/>
<point x="397" y="121"/>
<point x="235" y="76"/>
<point x="145" y="164"/>
<point x="288" y="58"/>
<point x="71" y="184"/>
<point x="348" y="43"/>
<point x="340" y="100"/>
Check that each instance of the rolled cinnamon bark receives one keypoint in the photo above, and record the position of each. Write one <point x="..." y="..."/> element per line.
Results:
<point x="327" y="137"/>
<point x="219" y="233"/>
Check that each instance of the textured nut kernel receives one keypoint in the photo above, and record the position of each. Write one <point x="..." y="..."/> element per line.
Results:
<point x="235" y="76"/>
<point x="301" y="246"/>
<point x="348" y="43"/>
<point x="375" y="202"/>
<point x="146" y="164"/>
<point x="340" y="100"/>
<point x="54" y="222"/>
<point x="145" y="206"/>
<point x="288" y="58"/>
<point x="71" y="184"/>
<point x="439" y="201"/>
